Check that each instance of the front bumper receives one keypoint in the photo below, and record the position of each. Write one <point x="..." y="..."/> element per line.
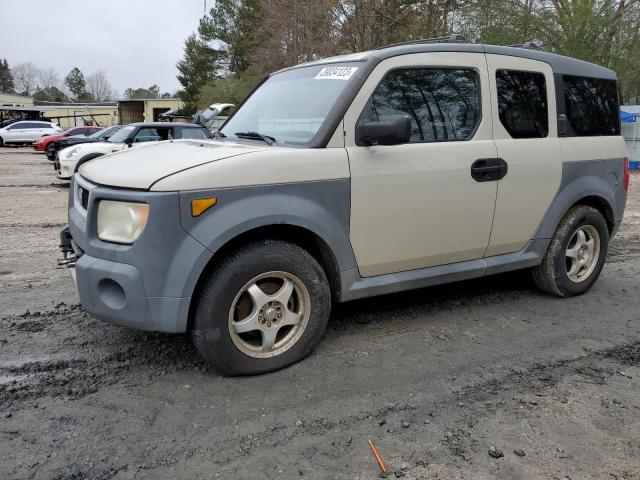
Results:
<point x="147" y="285"/>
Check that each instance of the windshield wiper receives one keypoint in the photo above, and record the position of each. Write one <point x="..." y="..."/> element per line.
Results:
<point x="219" y="134"/>
<point x="258" y="136"/>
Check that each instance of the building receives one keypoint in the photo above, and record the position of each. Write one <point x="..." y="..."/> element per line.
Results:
<point x="75" y="114"/>
<point x="146" y="110"/>
<point x="631" y="133"/>
<point x="10" y="100"/>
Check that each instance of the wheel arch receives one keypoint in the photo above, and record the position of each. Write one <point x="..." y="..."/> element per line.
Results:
<point x="602" y="205"/>
<point x="299" y="235"/>
<point x="85" y="159"/>
<point x="600" y="190"/>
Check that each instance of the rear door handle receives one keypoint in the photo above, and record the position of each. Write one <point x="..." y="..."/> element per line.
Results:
<point x="488" y="169"/>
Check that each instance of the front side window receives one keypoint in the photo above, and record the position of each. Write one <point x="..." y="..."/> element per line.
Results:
<point x="291" y="106"/>
<point x="591" y="106"/>
<point x="522" y="103"/>
<point x="443" y="104"/>
<point x="152" y="134"/>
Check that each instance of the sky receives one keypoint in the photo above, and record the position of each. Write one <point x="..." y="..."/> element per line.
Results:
<point x="136" y="42"/>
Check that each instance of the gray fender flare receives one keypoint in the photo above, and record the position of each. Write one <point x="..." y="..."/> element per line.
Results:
<point x="580" y="180"/>
<point x="322" y="208"/>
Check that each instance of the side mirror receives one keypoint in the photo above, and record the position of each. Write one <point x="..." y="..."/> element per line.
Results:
<point x="128" y="142"/>
<point x="389" y="130"/>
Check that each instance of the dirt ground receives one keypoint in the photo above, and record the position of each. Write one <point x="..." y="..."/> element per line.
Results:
<point x="433" y="377"/>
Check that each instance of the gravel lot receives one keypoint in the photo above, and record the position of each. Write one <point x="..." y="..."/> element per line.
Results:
<point x="433" y="377"/>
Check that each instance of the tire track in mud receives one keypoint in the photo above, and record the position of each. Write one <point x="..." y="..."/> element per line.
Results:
<point x="454" y="435"/>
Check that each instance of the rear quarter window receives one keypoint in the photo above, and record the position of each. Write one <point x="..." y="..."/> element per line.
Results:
<point x="591" y="106"/>
<point x="522" y="103"/>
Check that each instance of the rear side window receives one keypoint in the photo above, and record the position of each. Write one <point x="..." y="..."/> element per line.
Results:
<point x="444" y="104"/>
<point x="591" y="105"/>
<point x="522" y="103"/>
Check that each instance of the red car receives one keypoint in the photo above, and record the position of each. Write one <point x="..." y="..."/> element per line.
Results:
<point x="40" y="144"/>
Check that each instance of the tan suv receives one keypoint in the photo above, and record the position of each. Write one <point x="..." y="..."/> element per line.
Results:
<point x="412" y="165"/>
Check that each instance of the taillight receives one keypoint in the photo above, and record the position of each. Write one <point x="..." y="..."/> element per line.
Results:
<point x="625" y="179"/>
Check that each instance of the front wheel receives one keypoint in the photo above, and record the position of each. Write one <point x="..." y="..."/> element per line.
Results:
<point x="50" y="152"/>
<point x="265" y="307"/>
<point x="576" y="253"/>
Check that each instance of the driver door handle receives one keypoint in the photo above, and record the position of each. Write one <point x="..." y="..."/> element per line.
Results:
<point x="488" y="169"/>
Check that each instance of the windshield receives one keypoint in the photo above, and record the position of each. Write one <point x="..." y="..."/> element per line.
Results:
<point x="292" y="105"/>
<point x="99" y="133"/>
<point x="104" y="132"/>
<point x="121" y="135"/>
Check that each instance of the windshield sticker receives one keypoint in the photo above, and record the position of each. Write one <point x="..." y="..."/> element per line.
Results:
<point x="335" y="73"/>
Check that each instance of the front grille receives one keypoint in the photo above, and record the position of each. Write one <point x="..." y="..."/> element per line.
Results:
<point x="83" y="196"/>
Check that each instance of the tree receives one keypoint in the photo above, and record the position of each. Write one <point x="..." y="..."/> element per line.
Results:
<point x="142" y="93"/>
<point x="24" y="77"/>
<point x="48" y="78"/>
<point x="198" y="66"/>
<point x="99" y="87"/>
<point x="234" y="24"/>
<point x="229" y="89"/>
<point x="75" y="82"/>
<point x="6" y="78"/>
<point x="50" y="94"/>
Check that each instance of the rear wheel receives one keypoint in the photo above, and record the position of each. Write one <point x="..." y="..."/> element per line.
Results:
<point x="576" y="253"/>
<point x="263" y="308"/>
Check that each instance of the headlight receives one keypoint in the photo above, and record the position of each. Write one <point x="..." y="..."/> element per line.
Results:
<point x="73" y="151"/>
<point x="121" y="222"/>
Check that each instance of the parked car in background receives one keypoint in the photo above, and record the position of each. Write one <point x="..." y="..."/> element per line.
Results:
<point x="100" y="136"/>
<point x="215" y="115"/>
<point x="70" y="159"/>
<point x="42" y="143"/>
<point x="25" y="132"/>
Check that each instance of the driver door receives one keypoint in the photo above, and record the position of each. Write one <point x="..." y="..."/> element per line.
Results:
<point x="417" y="205"/>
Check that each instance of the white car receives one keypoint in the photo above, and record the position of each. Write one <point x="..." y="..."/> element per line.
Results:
<point x="133" y="135"/>
<point x="215" y="115"/>
<point x="27" y="131"/>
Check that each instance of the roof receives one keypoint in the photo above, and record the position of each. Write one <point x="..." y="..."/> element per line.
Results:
<point x="559" y="63"/>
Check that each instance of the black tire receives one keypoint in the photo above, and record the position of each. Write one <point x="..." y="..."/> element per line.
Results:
<point x="50" y="152"/>
<point x="551" y="275"/>
<point x="86" y="159"/>
<point x="1" y="142"/>
<point x="210" y="330"/>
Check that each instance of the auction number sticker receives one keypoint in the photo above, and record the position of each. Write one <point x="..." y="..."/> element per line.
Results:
<point x="335" y="73"/>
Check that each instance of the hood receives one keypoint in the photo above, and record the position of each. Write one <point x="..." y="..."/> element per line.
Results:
<point x="141" y="167"/>
<point x="87" y="148"/>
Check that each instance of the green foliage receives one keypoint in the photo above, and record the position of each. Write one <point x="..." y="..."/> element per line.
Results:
<point x="51" y="94"/>
<point x="265" y="35"/>
<point x="229" y="89"/>
<point x="151" y="92"/>
<point x="76" y="83"/>
<point x="198" y="66"/>
<point x="85" y="97"/>
<point x="6" y="79"/>
<point x="234" y="23"/>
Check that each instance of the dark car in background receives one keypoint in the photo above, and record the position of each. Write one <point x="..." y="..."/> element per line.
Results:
<point x="42" y="144"/>
<point x="129" y="136"/>
<point x="102" y="135"/>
